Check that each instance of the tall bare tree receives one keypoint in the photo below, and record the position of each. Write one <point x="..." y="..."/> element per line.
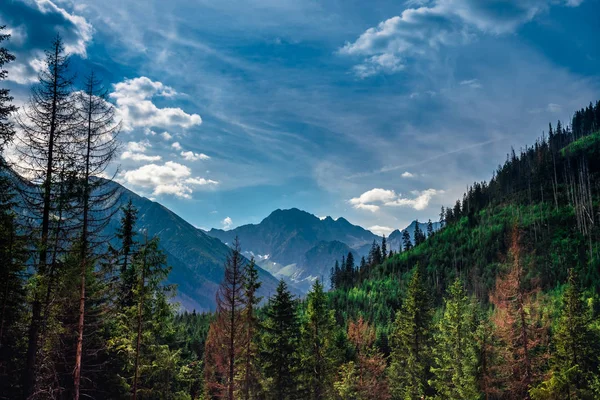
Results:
<point x="45" y="148"/>
<point x="98" y="132"/>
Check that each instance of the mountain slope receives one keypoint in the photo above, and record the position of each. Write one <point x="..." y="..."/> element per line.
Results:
<point x="197" y="258"/>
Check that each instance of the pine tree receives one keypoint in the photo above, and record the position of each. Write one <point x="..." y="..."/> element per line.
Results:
<point x="228" y="328"/>
<point x="318" y="350"/>
<point x="150" y="270"/>
<point x="383" y="248"/>
<point x="430" y="230"/>
<point x="335" y="276"/>
<point x="411" y="343"/>
<point x="375" y="254"/>
<point x="455" y="351"/>
<point x="442" y="217"/>
<point x="6" y="108"/>
<point x="418" y="234"/>
<point x="126" y="234"/>
<point x="249" y="374"/>
<point x="279" y="346"/>
<point x="406" y="240"/>
<point x="575" y="365"/>
<point x="349" y="269"/>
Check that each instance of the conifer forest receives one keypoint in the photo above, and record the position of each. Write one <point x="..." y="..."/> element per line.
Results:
<point x="497" y="297"/>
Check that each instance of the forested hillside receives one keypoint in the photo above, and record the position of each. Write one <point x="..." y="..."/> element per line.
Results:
<point x="501" y="302"/>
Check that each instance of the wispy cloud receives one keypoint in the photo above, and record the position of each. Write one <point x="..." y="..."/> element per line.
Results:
<point x="472" y="83"/>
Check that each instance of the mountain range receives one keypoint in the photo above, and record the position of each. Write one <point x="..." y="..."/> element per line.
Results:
<point x="299" y="247"/>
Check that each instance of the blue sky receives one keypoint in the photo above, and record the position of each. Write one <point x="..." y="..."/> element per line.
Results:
<point x="378" y="111"/>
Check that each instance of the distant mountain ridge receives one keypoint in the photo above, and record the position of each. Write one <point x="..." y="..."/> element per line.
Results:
<point x="299" y="247"/>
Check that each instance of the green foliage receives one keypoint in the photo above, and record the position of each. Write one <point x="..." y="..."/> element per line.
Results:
<point x="318" y="352"/>
<point x="588" y="145"/>
<point x="279" y="344"/>
<point x="411" y="343"/>
<point x="575" y="363"/>
<point x="456" y="352"/>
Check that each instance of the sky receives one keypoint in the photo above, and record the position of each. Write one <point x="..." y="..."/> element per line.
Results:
<point x="379" y="112"/>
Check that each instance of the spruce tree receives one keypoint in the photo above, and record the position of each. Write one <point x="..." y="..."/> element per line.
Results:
<point x="406" y="240"/>
<point x="127" y="236"/>
<point x="430" y="231"/>
<point x="249" y="374"/>
<point x="384" y="253"/>
<point x="279" y="346"/>
<point x="318" y="348"/>
<point x="335" y="275"/>
<point x="455" y="350"/>
<point x="349" y="269"/>
<point x="411" y="343"/>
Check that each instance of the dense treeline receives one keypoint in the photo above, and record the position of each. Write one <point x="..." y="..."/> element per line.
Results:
<point x="501" y="303"/>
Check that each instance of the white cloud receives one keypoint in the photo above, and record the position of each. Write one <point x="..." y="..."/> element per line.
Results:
<point x="419" y="202"/>
<point x="191" y="156"/>
<point x="380" y="230"/>
<point x="472" y="83"/>
<point x="135" y="151"/>
<point x="429" y="25"/>
<point x="135" y="108"/>
<point x="127" y="155"/>
<point x="389" y="198"/>
<point x="169" y="178"/>
<point x="201" y="181"/>
<point x="166" y="135"/>
<point x="407" y="174"/>
<point x="176" y="146"/>
<point x="140" y="147"/>
<point x="554" y="108"/>
<point x="374" y="195"/>
<point x="227" y="223"/>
